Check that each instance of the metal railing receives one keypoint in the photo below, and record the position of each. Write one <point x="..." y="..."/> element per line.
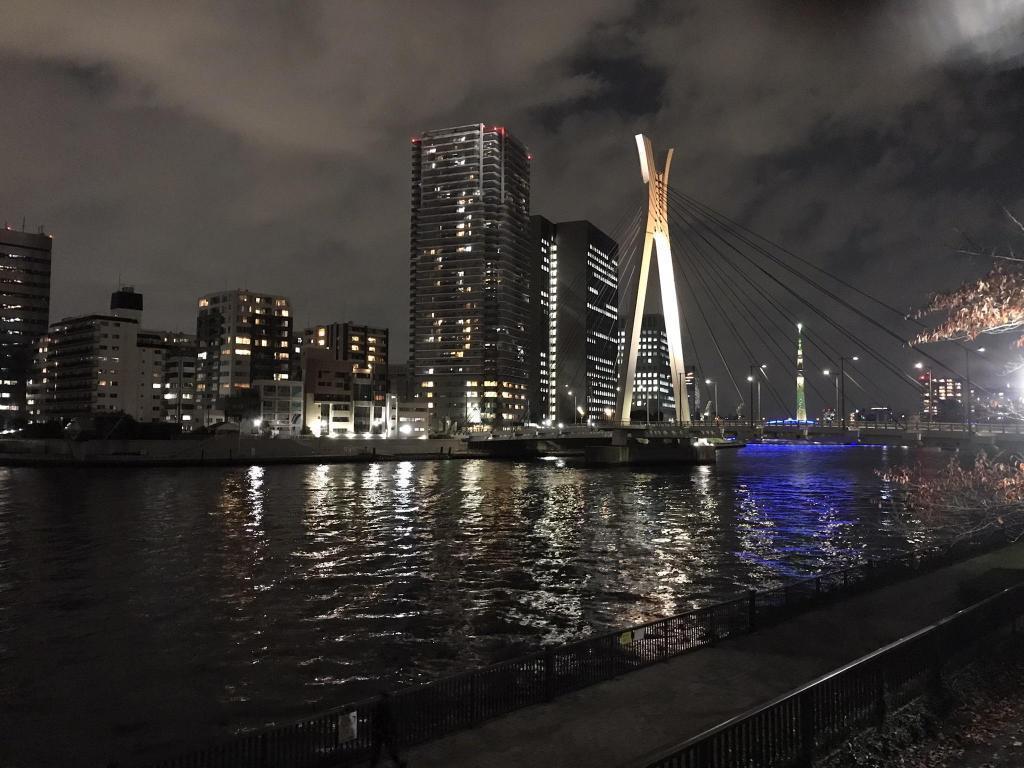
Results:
<point x="812" y="720"/>
<point x="350" y="732"/>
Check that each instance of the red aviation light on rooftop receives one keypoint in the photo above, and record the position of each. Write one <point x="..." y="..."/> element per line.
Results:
<point x="415" y="139"/>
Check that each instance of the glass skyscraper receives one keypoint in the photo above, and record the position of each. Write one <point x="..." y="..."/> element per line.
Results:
<point x="576" y="343"/>
<point x="470" y="275"/>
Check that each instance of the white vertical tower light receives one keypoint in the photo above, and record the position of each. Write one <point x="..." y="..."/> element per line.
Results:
<point x="656" y="237"/>
<point x="801" y="399"/>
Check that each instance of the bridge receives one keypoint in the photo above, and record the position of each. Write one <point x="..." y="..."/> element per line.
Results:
<point x="761" y="325"/>
<point x="725" y="434"/>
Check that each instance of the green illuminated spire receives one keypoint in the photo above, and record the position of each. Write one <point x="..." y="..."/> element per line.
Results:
<point x="801" y="400"/>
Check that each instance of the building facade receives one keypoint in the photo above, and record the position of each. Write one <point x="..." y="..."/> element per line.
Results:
<point x="24" y="316"/>
<point x="942" y="398"/>
<point x="653" y="398"/>
<point x="338" y="396"/>
<point x="281" y="406"/>
<point x="242" y="336"/>
<point x="576" y="339"/>
<point x="104" y="364"/>
<point x="469" y="279"/>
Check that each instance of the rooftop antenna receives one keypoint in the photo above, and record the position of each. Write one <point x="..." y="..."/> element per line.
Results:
<point x="22" y="223"/>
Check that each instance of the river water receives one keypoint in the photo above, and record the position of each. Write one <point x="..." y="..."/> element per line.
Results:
<point x="145" y="611"/>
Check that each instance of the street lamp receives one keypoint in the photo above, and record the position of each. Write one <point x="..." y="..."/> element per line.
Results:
<point x="710" y="383"/>
<point x="828" y="372"/>
<point x="574" y="406"/>
<point x="842" y="386"/>
<point x="750" y="379"/>
<point x="761" y="369"/>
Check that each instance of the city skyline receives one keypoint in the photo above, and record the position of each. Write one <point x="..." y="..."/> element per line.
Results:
<point x="145" y="180"/>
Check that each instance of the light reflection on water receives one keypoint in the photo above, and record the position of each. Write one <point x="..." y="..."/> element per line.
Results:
<point x="162" y="607"/>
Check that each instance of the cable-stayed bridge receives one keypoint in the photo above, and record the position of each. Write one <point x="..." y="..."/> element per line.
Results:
<point x="772" y="334"/>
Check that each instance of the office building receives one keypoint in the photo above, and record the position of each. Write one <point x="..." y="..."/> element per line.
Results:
<point x="469" y="280"/>
<point x="576" y="329"/>
<point x="24" y="315"/>
<point x="242" y="336"/>
<point x="942" y="399"/>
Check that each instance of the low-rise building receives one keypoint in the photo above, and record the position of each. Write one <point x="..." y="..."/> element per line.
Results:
<point x="339" y="396"/>
<point x="104" y="363"/>
<point x="281" y="406"/>
<point x="413" y="419"/>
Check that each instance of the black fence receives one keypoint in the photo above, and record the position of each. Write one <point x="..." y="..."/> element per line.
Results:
<point x="793" y="729"/>
<point x="349" y="733"/>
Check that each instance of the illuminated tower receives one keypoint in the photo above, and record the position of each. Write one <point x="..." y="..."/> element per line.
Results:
<point x="657" y="239"/>
<point x="801" y="399"/>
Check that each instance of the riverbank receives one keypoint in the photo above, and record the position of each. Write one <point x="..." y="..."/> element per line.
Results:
<point x="225" y="450"/>
<point x="617" y="722"/>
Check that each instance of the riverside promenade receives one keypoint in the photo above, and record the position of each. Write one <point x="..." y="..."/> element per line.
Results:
<point x="617" y="722"/>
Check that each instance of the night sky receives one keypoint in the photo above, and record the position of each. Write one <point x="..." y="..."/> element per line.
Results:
<point x="186" y="147"/>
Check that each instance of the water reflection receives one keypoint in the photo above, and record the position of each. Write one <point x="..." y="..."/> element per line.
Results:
<point x="242" y="596"/>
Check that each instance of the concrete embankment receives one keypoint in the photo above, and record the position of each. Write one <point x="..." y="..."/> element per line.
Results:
<point x="616" y="722"/>
<point x="223" y="450"/>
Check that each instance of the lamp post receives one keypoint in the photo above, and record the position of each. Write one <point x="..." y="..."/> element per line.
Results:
<point x="710" y="383"/>
<point x="828" y="372"/>
<point x="750" y="380"/>
<point x="761" y="371"/>
<point x="842" y="386"/>
<point x="968" y="397"/>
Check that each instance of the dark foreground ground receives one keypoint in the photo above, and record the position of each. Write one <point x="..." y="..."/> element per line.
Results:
<point x="979" y="725"/>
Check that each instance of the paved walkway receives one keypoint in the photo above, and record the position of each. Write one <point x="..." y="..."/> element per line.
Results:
<point x="614" y="723"/>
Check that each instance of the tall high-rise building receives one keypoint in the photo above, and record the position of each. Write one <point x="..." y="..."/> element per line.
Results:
<point x="469" y="280"/>
<point x="576" y="339"/>
<point x="24" y="315"/>
<point x="243" y="336"/>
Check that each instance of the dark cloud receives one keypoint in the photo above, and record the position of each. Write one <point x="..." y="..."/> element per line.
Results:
<point x="191" y="146"/>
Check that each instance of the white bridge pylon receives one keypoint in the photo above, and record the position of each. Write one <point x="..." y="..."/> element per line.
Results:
<point x="656" y="238"/>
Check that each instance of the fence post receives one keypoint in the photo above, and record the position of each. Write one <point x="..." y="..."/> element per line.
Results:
<point x="751" y="611"/>
<point x="881" y="704"/>
<point x="817" y="586"/>
<point x="549" y="673"/>
<point x="805" y="708"/>
<point x="264" y="755"/>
